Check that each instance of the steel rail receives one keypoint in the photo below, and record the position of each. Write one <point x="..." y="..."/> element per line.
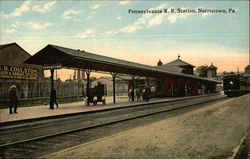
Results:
<point x="61" y="116"/>
<point x="4" y="146"/>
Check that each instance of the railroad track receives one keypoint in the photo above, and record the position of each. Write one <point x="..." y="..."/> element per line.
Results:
<point x="83" y="128"/>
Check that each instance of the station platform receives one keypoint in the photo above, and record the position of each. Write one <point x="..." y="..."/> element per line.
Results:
<point x="40" y="111"/>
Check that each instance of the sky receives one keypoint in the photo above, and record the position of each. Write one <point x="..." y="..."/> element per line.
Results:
<point x="108" y="28"/>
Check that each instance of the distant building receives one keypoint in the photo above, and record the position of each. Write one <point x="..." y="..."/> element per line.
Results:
<point x="211" y="71"/>
<point x="247" y="69"/>
<point x="78" y="74"/>
<point x="124" y="82"/>
<point x="121" y="85"/>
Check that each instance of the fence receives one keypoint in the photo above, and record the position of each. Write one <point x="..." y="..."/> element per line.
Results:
<point x="34" y="89"/>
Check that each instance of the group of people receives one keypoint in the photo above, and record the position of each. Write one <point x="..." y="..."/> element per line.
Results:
<point x="141" y="94"/>
<point x="13" y="99"/>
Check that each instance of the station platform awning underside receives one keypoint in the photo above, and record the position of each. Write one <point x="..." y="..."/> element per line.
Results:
<point x="77" y="59"/>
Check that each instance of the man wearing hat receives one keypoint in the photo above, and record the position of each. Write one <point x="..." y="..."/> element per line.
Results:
<point x="13" y="98"/>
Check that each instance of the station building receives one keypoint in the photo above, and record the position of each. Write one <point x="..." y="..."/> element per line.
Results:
<point x="183" y="86"/>
<point x="18" y="67"/>
<point x="124" y="84"/>
<point x="165" y="87"/>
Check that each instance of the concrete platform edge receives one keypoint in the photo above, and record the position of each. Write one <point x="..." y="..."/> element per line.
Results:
<point x="104" y="109"/>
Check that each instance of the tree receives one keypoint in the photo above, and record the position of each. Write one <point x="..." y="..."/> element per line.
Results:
<point x="202" y="70"/>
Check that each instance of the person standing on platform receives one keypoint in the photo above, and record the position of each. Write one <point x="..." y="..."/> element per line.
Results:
<point x="147" y="93"/>
<point x="54" y="100"/>
<point x="138" y="94"/>
<point x="13" y="99"/>
<point x="129" y="94"/>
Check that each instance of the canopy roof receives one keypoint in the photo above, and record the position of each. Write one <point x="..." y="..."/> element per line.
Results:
<point x="70" y="58"/>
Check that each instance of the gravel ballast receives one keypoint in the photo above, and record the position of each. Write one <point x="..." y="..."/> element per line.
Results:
<point x="209" y="132"/>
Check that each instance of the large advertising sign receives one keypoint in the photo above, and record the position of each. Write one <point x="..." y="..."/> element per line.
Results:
<point x="16" y="72"/>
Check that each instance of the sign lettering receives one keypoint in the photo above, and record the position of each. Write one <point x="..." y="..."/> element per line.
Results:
<point x="52" y="67"/>
<point x="16" y="72"/>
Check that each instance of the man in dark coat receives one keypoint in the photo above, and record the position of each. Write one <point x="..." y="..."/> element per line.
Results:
<point x="54" y="99"/>
<point x="146" y="93"/>
<point x="13" y="98"/>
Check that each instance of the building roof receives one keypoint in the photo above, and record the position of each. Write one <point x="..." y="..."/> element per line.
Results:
<point x="70" y="58"/>
<point x="178" y="62"/>
<point x="212" y="67"/>
<point x="12" y="44"/>
<point x="171" y="68"/>
<point x="6" y="45"/>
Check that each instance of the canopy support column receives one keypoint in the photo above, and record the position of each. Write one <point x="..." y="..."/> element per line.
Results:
<point x="52" y="89"/>
<point x="88" y="71"/>
<point x="147" y="81"/>
<point x="133" y="88"/>
<point x="113" y="76"/>
<point x="172" y="88"/>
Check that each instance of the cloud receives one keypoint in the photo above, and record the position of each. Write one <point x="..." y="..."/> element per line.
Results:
<point x="86" y="34"/>
<point x="204" y="15"/>
<point x="154" y="19"/>
<point x="89" y="17"/>
<point x="174" y="17"/>
<point x="111" y="32"/>
<point x="124" y="2"/>
<point x="15" y="25"/>
<point x="96" y="6"/>
<point x="26" y="6"/>
<point x="19" y="11"/>
<point x="11" y="30"/>
<point x="45" y="8"/>
<point x="131" y="28"/>
<point x="118" y="18"/>
<point x="157" y="20"/>
<point x="68" y="14"/>
<point x="36" y="26"/>
<point x="149" y="19"/>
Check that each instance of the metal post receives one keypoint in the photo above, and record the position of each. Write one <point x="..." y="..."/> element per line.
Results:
<point x="52" y="88"/>
<point x="113" y="75"/>
<point x="39" y="89"/>
<point x="78" y="73"/>
<point x="88" y="85"/>
<point x="83" y="75"/>
<point x="147" y="81"/>
<point x="133" y="88"/>
<point x="172" y="88"/>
